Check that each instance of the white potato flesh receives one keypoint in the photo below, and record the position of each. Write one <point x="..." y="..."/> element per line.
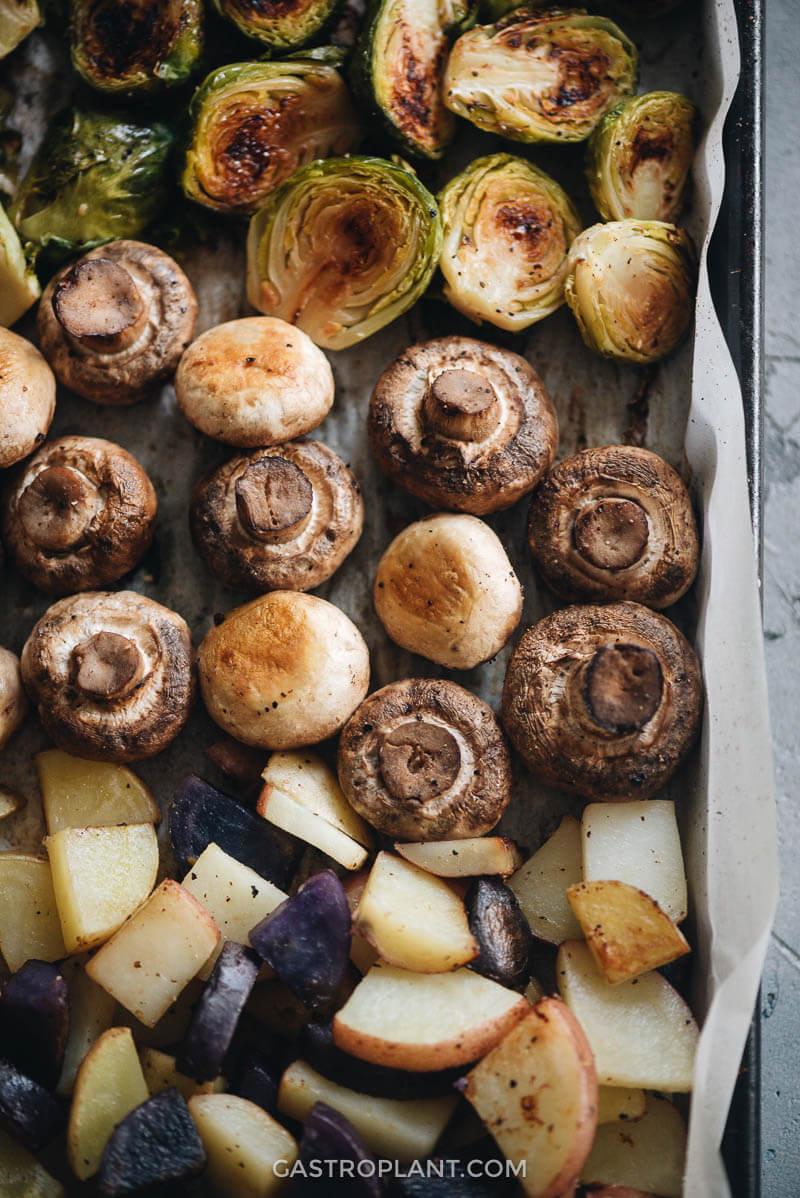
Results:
<point x="243" y="1144"/>
<point x="21" y="1175"/>
<point x="29" y="923"/>
<point x="91" y="1012"/>
<point x="647" y="1155"/>
<point x="306" y="778"/>
<point x="100" y="876"/>
<point x="10" y="802"/>
<point x="283" y="811"/>
<point x="235" y="896"/>
<point x="637" y="843"/>
<point x="81" y="794"/>
<point x="147" y="963"/>
<point x="619" y="1103"/>
<point x="109" y="1085"/>
<point x="398" y="1129"/>
<point x="642" y="1033"/>
<point x="413" y="919"/>
<point x="541" y="884"/>
<point x="160" y="1073"/>
<point x="471" y="858"/>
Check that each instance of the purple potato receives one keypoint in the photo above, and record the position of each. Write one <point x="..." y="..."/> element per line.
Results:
<point x="34" y="1021"/>
<point x="156" y="1144"/>
<point x="199" y="814"/>
<point x="502" y="932"/>
<point x="257" y="1080"/>
<point x="217" y="1012"/>
<point x="27" y="1110"/>
<point x="328" y="1138"/>
<point x="306" y="939"/>
<point x="381" y="1081"/>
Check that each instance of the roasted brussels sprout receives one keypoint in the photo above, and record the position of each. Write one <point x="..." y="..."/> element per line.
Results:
<point x="18" y="18"/>
<point x="631" y="285"/>
<point x="280" y="24"/>
<point x="342" y="248"/>
<point x="134" y="47"/>
<point x="540" y="76"/>
<point x="638" y="157"/>
<point x="96" y="177"/>
<point x="507" y="228"/>
<point x="254" y="123"/>
<point x="19" y="287"/>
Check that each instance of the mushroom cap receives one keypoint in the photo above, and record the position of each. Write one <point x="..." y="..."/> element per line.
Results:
<point x="477" y="460"/>
<point x="13" y="703"/>
<point x="254" y="382"/>
<point x="445" y="589"/>
<point x="111" y="674"/>
<point x="27" y="397"/>
<point x="425" y="759"/>
<point x="78" y="515"/>
<point x="309" y="529"/>
<point x="145" y="330"/>
<point x="603" y="702"/>
<point x="614" y="522"/>
<point x="285" y="670"/>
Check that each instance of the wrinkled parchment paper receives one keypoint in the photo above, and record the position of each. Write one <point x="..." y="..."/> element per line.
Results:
<point x="688" y="409"/>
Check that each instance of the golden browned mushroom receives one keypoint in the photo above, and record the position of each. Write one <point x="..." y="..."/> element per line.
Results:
<point x="285" y="670"/>
<point x="462" y="424"/>
<point x="277" y="519"/>
<point x="111" y="675"/>
<point x="254" y="382"/>
<point x="445" y="589"/>
<point x="115" y="323"/>
<point x="603" y="702"/>
<point x="27" y="398"/>
<point x="614" y="523"/>
<point x="78" y="515"/>
<point x="424" y="759"/>
<point x="13" y="704"/>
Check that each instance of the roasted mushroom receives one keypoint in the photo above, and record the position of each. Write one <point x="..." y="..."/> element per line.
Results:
<point x="424" y="759"/>
<point x="280" y="519"/>
<point x="614" y="523"/>
<point x="253" y="382"/>
<point x="115" y="323"/>
<point x="78" y="515"/>
<point x="27" y="397"/>
<point x="603" y="702"/>
<point x="462" y="424"/>
<point x="13" y="704"/>
<point x="446" y="590"/>
<point x="111" y="675"/>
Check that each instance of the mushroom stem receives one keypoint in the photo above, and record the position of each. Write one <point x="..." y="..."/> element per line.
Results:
<point x="419" y="760"/>
<point x="274" y="498"/>
<point x="622" y="688"/>
<point x="109" y="666"/>
<point x="611" y="533"/>
<point x="57" y="508"/>
<point x="461" y="404"/>
<point x="99" y="303"/>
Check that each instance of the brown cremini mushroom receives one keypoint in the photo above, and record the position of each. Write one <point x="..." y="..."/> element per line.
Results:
<point x="614" y="523"/>
<point x="13" y="703"/>
<point x="115" y="323"/>
<point x="277" y="519"/>
<point x="284" y="670"/>
<point x="603" y="702"/>
<point x="424" y="759"/>
<point x="462" y="424"/>
<point x="445" y="589"/>
<point x="27" y="398"/>
<point x="78" y="515"/>
<point x="111" y="675"/>
<point x="254" y="382"/>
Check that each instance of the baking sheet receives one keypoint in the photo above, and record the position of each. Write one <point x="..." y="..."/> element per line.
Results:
<point x="688" y="409"/>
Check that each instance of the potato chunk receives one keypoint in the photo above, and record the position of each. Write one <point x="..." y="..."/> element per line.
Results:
<point x="541" y="884"/>
<point x="470" y="858"/>
<point x="647" y="1156"/>
<point x="283" y="811"/>
<point x="306" y="778"/>
<point x="161" y="1073"/>
<point x="617" y="1104"/>
<point x="637" y="843"/>
<point x="21" y="1175"/>
<point x="243" y="1144"/>
<point x="109" y="1085"/>
<point x="626" y="930"/>
<point x="91" y="1012"/>
<point x="81" y="794"/>
<point x="29" y="923"/>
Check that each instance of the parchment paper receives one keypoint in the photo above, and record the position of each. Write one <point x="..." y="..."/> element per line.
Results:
<point x="688" y="409"/>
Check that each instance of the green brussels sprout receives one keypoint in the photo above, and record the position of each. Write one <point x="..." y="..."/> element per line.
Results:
<point x="280" y="24"/>
<point x="95" y="178"/>
<point x="540" y="76"/>
<point x="342" y="248"/>
<point x="631" y="287"/>
<point x="507" y="227"/>
<point x="19" y="287"/>
<point x="254" y="123"/>
<point x="18" y="18"/>
<point x="638" y="157"/>
<point x="135" y="47"/>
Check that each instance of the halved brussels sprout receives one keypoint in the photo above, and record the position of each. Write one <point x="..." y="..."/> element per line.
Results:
<point x="540" y="76"/>
<point x="95" y="178"/>
<point x="254" y="123"/>
<point x="638" y="157"/>
<point x="134" y="47"/>
<point x="19" y="287"/>
<point x="18" y="18"/>
<point x="631" y="287"/>
<point x="342" y="248"/>
<point x="507" y="228"/>
<point x="280" y="24"/>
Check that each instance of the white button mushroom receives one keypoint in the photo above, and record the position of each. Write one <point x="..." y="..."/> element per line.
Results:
<point x="27" y="397"/>
<point x="13" y="704"/>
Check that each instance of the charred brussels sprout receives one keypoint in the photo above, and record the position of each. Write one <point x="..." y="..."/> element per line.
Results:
<point x="254" y="123"/>
<point x="507" y="228"/>
<point x="280" y="24"/>
<point x="134" y="47"/>
<point x="631" y="285"/>
<point x="540" y="76"/>
<point x="342" y="248"/>
<point x="18" y="18"/>
<point x="19" y="287"/>
<point x="95" y="178"/>
<point x="638" y="158"/>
